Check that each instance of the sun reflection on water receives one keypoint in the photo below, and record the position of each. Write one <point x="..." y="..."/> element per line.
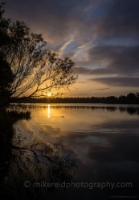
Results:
<point x="48" y="111"/>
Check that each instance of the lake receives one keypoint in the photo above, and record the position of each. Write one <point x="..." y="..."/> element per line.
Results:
<point x="68" y="151"/>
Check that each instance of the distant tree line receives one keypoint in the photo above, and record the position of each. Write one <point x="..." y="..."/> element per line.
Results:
<point x="130" y="98"/>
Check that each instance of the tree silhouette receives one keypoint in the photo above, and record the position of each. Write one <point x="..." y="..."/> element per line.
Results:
<point x="131" y="98"/>
<point x="6" y="79"/>
<point x="36" y="70"/>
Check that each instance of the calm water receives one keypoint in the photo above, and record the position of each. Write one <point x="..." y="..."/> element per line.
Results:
<point x="88" y="145"/>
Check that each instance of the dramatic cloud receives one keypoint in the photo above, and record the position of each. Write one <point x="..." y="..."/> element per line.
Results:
<point x="112" y="60"/>
<point x="119" y="81"/>
<point x="58" y="19"/>
<point x="117" y="59"/>
<point x="101" y="37"/>
<point x="121" y="20"/>
<point x="86" y="71"/>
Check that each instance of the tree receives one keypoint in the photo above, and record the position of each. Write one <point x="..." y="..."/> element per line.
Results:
<point x="1" y="9"/>
<point x="6" y="79"/>
<point x="36" y="70"/>
<point x="131" y="98"/>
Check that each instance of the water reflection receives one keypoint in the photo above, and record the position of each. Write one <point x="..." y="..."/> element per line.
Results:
<point x="130" y="109"/>
<point x="102" y="141"/>
<point x="49" y="111"/>
<point x="24" y="162"/>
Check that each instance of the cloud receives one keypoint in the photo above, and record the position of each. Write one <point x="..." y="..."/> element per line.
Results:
<point x="56" y="19"/>
<point x="87" y="71"/>
<point x="120" y="20"/>
<point x="82" y="70"/>
<point x="102" y="37"/>
<point x="86" y="19"/>
<point x="119" y="81"/>
<point x="122" y="60"/>
<point x="110" y="60"/>
<point x="104" y="88"/>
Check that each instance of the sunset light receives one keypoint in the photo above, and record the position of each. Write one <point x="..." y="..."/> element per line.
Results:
<point x="49" y="94"/>
<point x="69" y="99"/>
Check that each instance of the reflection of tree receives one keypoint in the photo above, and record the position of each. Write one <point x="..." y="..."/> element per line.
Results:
<point x="7" y="119"/>
<point x="130" y="110"/>
<point x="122" y="109"/>
<point x="111" y="109"/>
<point x="35" y="161"/>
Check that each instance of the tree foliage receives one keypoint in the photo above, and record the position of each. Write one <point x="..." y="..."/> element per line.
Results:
<point x="6" y="79"/>
<point x="35" y="69"/>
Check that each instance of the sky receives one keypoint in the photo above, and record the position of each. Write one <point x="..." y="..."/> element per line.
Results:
<point x="100" y="36"/>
